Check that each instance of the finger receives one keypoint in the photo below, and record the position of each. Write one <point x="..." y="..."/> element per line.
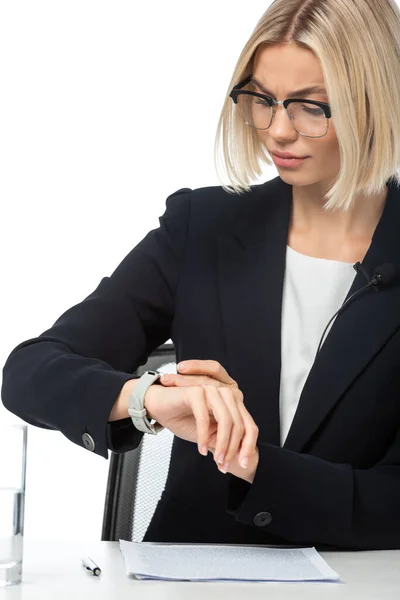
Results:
<point x="198" y="405"/>
<point x="224" y="421"/>
<point x="187" y="380"/>
<point x="205" y="367"/>
<point x="249" y="441"/>
<point x="238" y="428"/>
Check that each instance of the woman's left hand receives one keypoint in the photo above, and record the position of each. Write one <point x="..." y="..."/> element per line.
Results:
<point x="211" y="372"/>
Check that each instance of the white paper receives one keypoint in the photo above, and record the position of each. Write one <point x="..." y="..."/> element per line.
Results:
<point x="218" y="562"/>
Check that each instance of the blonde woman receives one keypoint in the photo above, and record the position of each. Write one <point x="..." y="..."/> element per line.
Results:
<point x="286" y="431"/>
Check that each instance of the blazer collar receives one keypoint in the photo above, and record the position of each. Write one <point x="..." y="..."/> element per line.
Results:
<point x="252" y="258"/>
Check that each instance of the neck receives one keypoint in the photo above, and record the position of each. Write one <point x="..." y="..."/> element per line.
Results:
<point x="337" y="235"/>
<point x="309" y="216"/>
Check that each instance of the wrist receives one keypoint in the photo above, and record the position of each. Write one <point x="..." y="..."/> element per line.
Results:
<point x="120" y="406"/>
<point x="249" y="473"/>
<point x="148" y="399"/>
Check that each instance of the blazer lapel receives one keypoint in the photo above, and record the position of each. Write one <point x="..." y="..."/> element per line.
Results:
<point x="252" y="256"/>
<point x="251" y="270"/>
<point x="356" y="335"/>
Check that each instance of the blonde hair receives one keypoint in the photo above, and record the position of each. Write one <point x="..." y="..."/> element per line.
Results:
<point x="358" y="45"/>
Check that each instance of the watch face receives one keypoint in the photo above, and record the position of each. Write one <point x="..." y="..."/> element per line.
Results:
<point x="168" y="367"/>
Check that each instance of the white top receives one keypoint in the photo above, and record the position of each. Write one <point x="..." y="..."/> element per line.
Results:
<point x="314" y="289"/>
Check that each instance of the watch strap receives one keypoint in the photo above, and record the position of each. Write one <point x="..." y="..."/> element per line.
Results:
<point x="136" y="407"/>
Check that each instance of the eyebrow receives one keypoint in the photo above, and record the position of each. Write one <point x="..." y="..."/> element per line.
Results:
<point x="314" y="89"/>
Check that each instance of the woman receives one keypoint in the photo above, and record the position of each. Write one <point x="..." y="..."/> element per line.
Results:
<point x="244" y="280"/>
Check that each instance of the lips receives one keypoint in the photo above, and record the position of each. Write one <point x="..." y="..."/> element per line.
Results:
<point x="286" y="155"/>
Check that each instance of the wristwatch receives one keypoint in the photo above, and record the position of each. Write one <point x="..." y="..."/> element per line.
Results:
<point x="136" y="404"/>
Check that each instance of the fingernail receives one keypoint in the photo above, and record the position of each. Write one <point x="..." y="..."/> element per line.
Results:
<point x="204" y="450"/>
<point x="165" y="378"/>
<point x="224" y="468"/>
<point x="244" y="463"/>
<point x="182" y="366"/>
<point x="221" y="459"/>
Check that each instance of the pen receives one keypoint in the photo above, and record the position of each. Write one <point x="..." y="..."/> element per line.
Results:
<point x="89" y="565"/>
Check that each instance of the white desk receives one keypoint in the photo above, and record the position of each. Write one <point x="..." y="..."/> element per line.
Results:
<point x="53" y="571"/>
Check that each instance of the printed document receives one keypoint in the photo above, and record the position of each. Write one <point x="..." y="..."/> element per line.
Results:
<point x="223" y="562"/>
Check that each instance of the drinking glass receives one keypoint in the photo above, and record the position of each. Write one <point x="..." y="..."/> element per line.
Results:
<point x="13" y="444"/>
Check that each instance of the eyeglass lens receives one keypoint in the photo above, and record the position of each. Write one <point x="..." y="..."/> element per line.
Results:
<point x="308" y="119"/>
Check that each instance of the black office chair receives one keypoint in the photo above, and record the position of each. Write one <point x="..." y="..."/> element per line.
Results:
<point x="131" y="495"/>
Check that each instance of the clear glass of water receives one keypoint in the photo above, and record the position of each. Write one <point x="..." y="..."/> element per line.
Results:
<point x="13" y="444"/>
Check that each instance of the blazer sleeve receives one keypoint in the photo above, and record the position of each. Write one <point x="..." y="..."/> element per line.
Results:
<point x="68" y="378"/>
<point x="306" y="499"/>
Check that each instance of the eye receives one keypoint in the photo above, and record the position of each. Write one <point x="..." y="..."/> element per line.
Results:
<point x="317" y="112"/>
<point x="262" y="102"/>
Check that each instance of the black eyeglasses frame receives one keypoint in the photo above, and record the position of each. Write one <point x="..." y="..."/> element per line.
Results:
<point x="237" y="90"/>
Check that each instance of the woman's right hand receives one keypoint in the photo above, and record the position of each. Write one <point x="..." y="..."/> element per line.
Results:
<point x="208" y="415"/>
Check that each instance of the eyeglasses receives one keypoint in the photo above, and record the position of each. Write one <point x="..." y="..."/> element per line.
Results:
<point x="308" y="117"/>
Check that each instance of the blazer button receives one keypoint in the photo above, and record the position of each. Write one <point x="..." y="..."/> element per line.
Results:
<point x="88" y="442"/>
<point x="262" y="519"/>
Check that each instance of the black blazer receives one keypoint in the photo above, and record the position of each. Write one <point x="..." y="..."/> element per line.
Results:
<point x="211" y="279"/>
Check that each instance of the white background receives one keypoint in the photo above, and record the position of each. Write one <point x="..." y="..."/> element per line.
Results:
<point x="106" y="108"/>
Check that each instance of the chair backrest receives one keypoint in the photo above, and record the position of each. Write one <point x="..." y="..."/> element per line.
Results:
<point x="136" y="479"/>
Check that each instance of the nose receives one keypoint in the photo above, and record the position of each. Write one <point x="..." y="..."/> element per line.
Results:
<point x="281" y="122"/>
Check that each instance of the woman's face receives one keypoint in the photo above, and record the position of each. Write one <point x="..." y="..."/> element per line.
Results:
<point x="281" y="70"/>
